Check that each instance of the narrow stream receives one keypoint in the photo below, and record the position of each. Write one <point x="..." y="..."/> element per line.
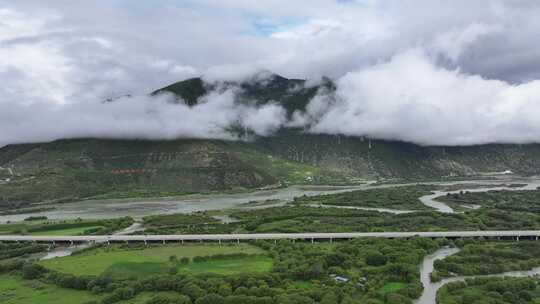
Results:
<point x="430" y="200"/>
<point x="63" y="251"/>
<point x="429" y="295"/>
<point x="58" y="252"/>
<point x="384" y="210"/>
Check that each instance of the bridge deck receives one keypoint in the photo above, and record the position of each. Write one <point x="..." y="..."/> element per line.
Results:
<point x="268" y="236"/>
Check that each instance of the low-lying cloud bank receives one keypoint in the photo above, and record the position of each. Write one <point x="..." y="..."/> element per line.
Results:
<point x="411" y="99"/>
<point x="408" y="98"/>
<point x="141" y="117"/>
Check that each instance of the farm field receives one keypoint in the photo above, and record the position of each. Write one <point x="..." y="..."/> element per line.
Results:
<point x="156" y="260"/>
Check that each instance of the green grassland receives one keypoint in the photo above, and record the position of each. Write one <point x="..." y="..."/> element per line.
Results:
<point x="155" y="260"/>
<point x="254" y="264"/>
<point x="391" y="287"/>
<point x="14" y="290"/>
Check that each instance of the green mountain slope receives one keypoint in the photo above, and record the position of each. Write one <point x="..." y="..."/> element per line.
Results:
<point x="392" y="159"/>
<point x="75" y="169"/>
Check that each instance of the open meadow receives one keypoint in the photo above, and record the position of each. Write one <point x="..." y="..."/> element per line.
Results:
<point x="137" y="262"/>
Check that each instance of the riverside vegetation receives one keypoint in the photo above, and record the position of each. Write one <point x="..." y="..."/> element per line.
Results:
<point x="511" y="201"/>
<point x="360" y="271"/>
<point x="482" y="258"/>
<point x="476" y="260"/>
<point x="491" y="290"/>
<point x="44" y="226"/>
<point x="306" y="214"/>
<point x="374" y="271"/>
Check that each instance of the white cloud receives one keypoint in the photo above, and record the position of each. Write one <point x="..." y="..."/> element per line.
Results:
<point x="314" y="28"/>
<point x="409" y="98"/>
<point x="138" y="117"/>
<point x="454" y="42"/>
<point x="264" y="120"/>
<point x="64" y="56"/>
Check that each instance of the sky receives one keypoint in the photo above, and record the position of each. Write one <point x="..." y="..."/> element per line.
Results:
<point x="431" y="72"/>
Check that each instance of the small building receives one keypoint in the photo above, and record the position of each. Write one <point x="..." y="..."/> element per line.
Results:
<point x="339" y="278"/>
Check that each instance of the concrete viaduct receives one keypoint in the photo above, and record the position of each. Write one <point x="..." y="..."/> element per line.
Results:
<point x="513" y="235"/>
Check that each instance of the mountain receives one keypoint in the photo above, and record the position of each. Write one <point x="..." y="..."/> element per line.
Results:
<point x="264" y="87"/>
<point x="68" y="170"/>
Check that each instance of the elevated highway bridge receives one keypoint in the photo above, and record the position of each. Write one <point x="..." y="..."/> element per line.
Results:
<point x="513" y="235"/>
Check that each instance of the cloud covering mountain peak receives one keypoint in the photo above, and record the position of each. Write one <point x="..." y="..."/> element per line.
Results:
<point x="428" y="72"/>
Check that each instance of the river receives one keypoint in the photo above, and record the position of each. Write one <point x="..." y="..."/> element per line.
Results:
<point x="138" y="208"/>
<point x="429" y="294"/>
<point x="63" y="251"/>
<point x="430" y="200"/>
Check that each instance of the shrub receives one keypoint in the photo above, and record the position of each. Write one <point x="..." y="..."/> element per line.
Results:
<point x="32" y="271"/>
